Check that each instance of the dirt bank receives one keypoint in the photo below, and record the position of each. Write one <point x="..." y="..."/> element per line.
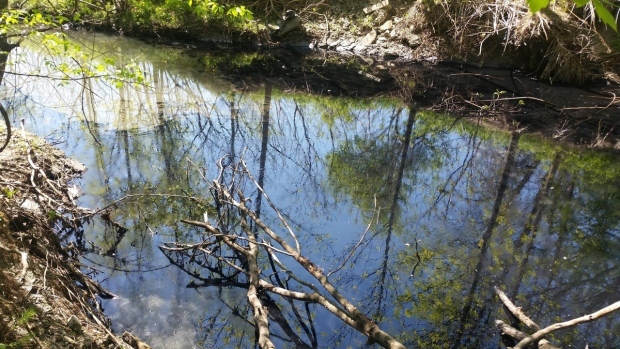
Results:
<point x="562" y="43"/>
<point x="46" y="301"/>
<point x="552" y="74"/>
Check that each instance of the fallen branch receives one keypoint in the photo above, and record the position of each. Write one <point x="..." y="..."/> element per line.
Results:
<point x="516" y="311"/>
<point x="567" y="324"/>
<point x="134" y="341"/>
<point x="362" y="323"/>
<point x="260" y="315"/>
<point x="512" y="332"/>
<point x="245" y="245"/>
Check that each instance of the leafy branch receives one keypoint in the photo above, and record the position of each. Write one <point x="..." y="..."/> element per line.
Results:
<point x="600" y="7"/>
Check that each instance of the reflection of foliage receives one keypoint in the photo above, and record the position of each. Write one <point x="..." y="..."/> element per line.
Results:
<point x="211" y="62"/>
<point x="564" y="246"/>
<point x="365" y="167"/>
<point x="362" y="168"/>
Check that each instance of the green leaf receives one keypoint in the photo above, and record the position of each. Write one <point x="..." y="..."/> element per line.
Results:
<point x="580" y="3"/>
<point x="537" y="5"/>
<point x="51" y="214"/>
<point x="603" y="13"/>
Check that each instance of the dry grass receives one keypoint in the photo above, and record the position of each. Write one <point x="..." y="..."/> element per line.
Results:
<point x="564" y="42"/>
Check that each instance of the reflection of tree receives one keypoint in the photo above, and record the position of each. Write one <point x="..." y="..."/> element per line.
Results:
<point x="380" y="311"/>
<point x="367" y="166"/>
<point x="263" y="146"/>
<point x="5" y="51"/>
<point x="532" y="224"/>
<point x="386" y="168"/>
<point x="484" y="245"/>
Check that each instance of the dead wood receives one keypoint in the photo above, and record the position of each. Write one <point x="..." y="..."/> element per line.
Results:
<point x="246" y="243"/>
<point x="525" y="340"/>
<point x="567" y="324"/>
<point x="507" y="330"/>
<point x="134" y="341"/>
<point x="36" y="213"/>
<point x="516" y="311"/>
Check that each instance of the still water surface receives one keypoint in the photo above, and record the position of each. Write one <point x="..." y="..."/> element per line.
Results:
<point x="447" y="210"/>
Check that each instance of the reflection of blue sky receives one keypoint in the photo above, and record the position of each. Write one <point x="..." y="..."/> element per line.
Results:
<point x="152" y="149"/>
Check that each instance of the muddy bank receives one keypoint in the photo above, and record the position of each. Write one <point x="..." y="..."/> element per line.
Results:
<point x="509" y="99"/>
<point x="46" y="300"/>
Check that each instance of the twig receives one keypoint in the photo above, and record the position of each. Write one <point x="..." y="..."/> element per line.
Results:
<point x="517" y="98"/>
<point x="613" y="100"/>
<point x="375" y="212"/>
<point x="512" y="332"/>
<point x="360" y="321"/>
<point x="290" y="231"/>
<point x="211" y="228"/>
<point x="130" y="196"/>
<point x="46" y="267"/>
<point x="7" y="122"/>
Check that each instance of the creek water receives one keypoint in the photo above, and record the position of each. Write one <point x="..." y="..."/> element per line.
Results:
<point x="437" y="212"/>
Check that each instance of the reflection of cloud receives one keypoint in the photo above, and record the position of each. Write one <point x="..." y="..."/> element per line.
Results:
<point x="166" y="317"/>
<point x="161" y="322"/>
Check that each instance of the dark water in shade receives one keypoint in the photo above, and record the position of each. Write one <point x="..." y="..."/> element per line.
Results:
<point x="450" y="210"/>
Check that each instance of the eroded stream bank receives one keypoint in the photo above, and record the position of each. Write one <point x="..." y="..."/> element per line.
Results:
<point x="46" y="299"/>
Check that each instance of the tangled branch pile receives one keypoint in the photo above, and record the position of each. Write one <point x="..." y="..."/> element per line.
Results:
<point x="238" y="243"/>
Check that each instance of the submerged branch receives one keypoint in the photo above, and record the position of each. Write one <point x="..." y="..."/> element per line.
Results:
<point x="260" y="315"/>
<point x="328" y="297"/>
<point x="566" y="324"/>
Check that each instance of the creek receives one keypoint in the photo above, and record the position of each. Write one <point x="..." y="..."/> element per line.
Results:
<point x="445" y="210"/>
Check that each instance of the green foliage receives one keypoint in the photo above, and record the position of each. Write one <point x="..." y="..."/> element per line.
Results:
<point x="16" y="21"/>
<point x="181" y="13"/>
<point x="51" y="214"/>
<point x="24" y="318"/>
<point x="537" y="5"/>
<point x="8" y="192"/>
<point x="600" y="7"/>
<point x="240" y="12"/>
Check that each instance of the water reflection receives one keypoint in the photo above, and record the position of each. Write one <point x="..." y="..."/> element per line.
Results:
<point x="451" y="209"/>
